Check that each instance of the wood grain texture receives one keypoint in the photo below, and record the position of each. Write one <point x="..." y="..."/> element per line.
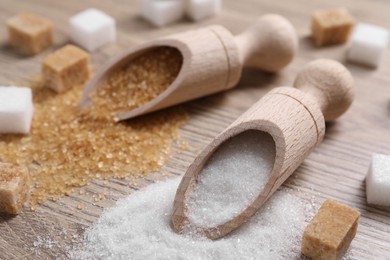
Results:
<point x="336" y="169"/>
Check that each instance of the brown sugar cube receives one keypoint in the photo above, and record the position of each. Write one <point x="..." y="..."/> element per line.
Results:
<point x="14" y="187"/>
<point x="331" y="26"/>
<point x="330" y="232"/>
<point x="29" y="33"/>
<point x="65" y="68"/>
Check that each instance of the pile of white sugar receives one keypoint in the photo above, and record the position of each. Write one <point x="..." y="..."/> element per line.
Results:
<point x="232" y="178"/>
<point x="139" y="228"/>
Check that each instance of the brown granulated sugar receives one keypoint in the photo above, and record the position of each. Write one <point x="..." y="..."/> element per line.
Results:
<point x="66" y="148"/>
<point x="141" y="80"/>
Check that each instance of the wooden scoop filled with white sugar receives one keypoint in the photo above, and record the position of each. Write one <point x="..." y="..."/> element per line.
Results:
<point x="185" y="66"/>
<point x="245" y="164"/>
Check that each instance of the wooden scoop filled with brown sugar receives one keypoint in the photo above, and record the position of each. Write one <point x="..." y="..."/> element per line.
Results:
<point x="186" y="66"/>
<point x="244" y="165"/>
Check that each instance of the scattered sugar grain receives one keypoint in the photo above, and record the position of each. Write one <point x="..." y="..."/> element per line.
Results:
<point x="66" y="148"/>
<point x="80" y="206"/>
<point x="56" y="242"/>
<point x="232" y="178"/>
<point x="142" y="80"/>
<point x="138" y="227"/>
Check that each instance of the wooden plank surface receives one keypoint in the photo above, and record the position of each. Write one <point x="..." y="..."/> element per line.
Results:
<point x="336" y="169"/>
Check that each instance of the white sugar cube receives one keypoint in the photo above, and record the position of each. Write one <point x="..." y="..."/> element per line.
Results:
<point x="368" y="44"/>
<point x="163" y="12"/>
<point x="201" y="9"/>
<point x="91" y="29"/>
<point x="16" y="110"/>
<point x="378" y="180"/>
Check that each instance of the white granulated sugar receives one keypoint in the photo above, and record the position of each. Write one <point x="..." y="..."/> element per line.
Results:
<point x="139" y="227"/>
<point x="232" y="178"/>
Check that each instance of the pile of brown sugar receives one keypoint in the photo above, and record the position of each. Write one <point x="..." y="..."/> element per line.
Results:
<point x="138" y="82"/>
<point x="66" y="147"/>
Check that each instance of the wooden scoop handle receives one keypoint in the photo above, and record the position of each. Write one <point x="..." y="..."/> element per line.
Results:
<point x="269" y="44"/>
<point x="330" y="83"/>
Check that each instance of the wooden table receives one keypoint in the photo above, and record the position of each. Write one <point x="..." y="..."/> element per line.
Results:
<point x="336" y="169"/>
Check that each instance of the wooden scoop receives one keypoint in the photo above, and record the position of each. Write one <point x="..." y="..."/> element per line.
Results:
<point x="212" y="60"/>
<point x="294" y="117"/>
